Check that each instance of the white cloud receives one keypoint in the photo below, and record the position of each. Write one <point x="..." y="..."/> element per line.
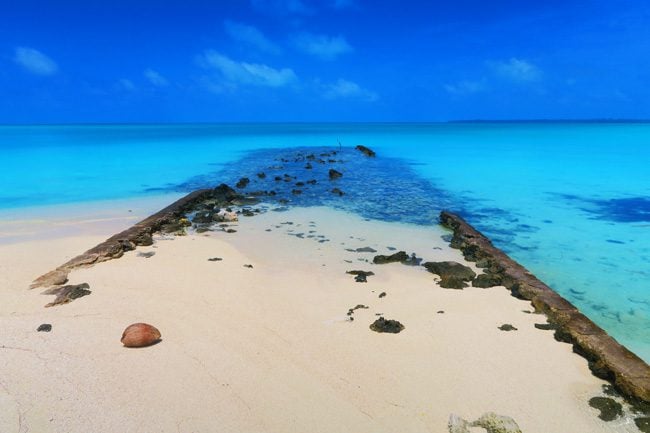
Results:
<point x="517" y="70"/>
<point x="155" y="78"/>
<point x="251" y="36"/>
<point x="125" y="85"/>
<point x="34" y="61"/>
<point x="342" y="89"/>
<point x="234" y="72"/>
<point x="323" y="46"/>
<point x="465" y="87"/>
<point x="281" y="7"/>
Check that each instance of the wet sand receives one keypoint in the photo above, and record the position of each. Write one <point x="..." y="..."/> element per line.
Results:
<point x="271" y="347"/>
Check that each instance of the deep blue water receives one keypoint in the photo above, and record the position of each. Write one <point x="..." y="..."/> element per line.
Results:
<point x="570" y="201"/>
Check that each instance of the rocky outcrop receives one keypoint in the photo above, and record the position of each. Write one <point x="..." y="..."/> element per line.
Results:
<point x="607" y="358"/>
<point x="171" y="217"/>
<point x="366" y="151"/>
<point x="452" y="275"/>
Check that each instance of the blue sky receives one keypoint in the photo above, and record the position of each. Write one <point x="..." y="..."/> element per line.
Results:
<point x="326" y="60"/>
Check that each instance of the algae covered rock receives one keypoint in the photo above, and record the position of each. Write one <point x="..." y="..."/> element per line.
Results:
<point x="609" y="408"/>
<point x="386" y="325"/>
<point x="452" y="275"/>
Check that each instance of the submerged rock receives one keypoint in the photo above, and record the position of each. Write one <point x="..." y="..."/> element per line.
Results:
<point x="146" y="255"/>
<point x="609" y="408"/>
<point x="452" y="275"/>
<point x="366" y="151"/>
<point x="243" y="182"/>
<point x="366" y="250"/>
<point x="338" y="192"/>
<point x="386" y="325"/>
<point x="333" y="174"/>
<point x="68" y="293"/>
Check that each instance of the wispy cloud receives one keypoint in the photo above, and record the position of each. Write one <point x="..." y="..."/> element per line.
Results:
<point x="34" y="61"/>
<point x="155" y="78"/>
<point x="233" y="72"/>
<point x="125" y="85"/>
<point x="250" y="36"/>
<point x="343" y="89"/>
<point x="465" y="87"/>
<point x="281" y="7"/>
<point x="322" y="46"/>
<point x="518" y="70"/>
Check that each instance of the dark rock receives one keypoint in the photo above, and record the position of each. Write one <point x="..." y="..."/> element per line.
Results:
<point x="382" y="294"/>
<point x="261" y="175"/>
<point x="487" y="280"/>
<point x="146" y="255"/>
<point x="338" y="192"/>
<point x="507" y="327"/>
<point x="300" y="183"/>
<point x="247" y="213"/>
<point x="248" y="266"/>
<point x="361" y="276"/>
<point x="45" y="327"/>
<point x="143" y="239"/>
<point x="399" y="256"/>
<point x="387" y="325"/>
<point x="366" y="250"/>
<point x="544" y="326"/>
<point x="440" y="312"/>
<point x="248" y="200"/>
<point x="215" y="259"/>
<point x="359" y="306"/>
<point x="312" y="182"/>
<point x="230" y="231"/>
<point x="243" y="182"/>
<point x="68" y="293"/>
<point x="643" y="424"/>
<point x="296" y="192"/>
<point x="277" y="178"/>
<point x="205" y="217"/>
<point x="452" y="275"/>
<point x="609" y="408"/>
<point x="333" y="174"/>
<point x="308" y="166"/>
<point x="368" y="152"/>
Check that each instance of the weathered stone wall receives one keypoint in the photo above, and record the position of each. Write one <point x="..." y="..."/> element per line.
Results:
<point x="607" y="358"/>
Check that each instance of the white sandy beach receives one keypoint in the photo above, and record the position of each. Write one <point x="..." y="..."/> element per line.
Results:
<point x="271" y="348"/>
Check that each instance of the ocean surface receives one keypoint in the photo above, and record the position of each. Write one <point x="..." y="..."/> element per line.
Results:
<point x="570" y="201"/>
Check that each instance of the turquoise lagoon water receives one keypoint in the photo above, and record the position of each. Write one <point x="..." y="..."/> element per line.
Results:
<point x="571" y="201"/>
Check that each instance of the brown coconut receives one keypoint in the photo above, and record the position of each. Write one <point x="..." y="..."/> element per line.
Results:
<point x="140" y="335"/>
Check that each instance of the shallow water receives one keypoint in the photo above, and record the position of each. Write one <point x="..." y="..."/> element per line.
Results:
<point x="569" y="201"/>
